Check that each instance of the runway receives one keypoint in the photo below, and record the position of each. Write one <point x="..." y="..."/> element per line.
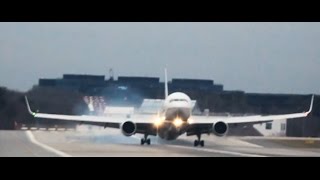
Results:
<point x="111" y="143"/>
<point x="19" y="144"/>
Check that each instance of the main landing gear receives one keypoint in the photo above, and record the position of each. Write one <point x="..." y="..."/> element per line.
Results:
<point x="199" y="141"/>
<point x="145" y="140"/>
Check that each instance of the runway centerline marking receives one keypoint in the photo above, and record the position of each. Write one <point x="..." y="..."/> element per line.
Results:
<point x="44" y="146"/>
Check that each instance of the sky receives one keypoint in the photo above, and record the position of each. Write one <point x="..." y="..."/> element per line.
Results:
<point x="261" y="57"/>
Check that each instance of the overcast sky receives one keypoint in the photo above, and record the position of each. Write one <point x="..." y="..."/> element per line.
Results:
<point x="254" y="57"/>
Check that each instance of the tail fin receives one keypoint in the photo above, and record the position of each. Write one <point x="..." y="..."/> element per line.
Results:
<point x="165" y="83"/>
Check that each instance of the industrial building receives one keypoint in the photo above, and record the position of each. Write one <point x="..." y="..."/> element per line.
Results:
<point x="131" y="91"/>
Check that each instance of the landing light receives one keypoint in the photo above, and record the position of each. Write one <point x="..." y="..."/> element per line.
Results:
<point x="158" y="122"/>
<point x="178" y="122"/>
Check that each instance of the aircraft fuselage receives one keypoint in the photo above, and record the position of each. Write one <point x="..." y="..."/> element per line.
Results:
<point x="176" y="110"/>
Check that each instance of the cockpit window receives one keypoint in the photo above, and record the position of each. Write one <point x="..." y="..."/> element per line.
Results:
<point x="178" y="100"/>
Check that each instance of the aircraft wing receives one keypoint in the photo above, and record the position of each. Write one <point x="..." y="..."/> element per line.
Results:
<point x="145" y="123"/>
<point x="248" y="119"/>
<point x="86" y="118"/>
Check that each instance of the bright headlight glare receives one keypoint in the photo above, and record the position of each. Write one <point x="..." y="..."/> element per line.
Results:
<point x="158" y="122"/>
<point x="178" y="122"/>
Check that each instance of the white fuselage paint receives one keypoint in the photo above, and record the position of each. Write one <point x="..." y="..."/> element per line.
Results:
<point x="176" y="106"/>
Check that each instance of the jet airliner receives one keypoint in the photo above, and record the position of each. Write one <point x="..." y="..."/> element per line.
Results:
<point x="174" y="119"/>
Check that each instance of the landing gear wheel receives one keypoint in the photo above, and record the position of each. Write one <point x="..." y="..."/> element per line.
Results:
<point x="145" y="140"/>
<point x="196" y="143"/>
<point x="142" y="141"/>
<point x="202" y="143"/>
<point x="148" y="141"/>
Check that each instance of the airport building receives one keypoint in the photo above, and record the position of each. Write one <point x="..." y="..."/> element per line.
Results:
<point x="131" y="92"/>
<point x="127" y="89"/>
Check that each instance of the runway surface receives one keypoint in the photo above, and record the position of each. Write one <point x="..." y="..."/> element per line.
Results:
<point x="19" y="144"/>
<point x="110" y="142"/>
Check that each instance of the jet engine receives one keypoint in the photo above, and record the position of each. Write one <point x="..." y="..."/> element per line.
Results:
<point x="220" y="128"/>
<point x="128" y="128"/>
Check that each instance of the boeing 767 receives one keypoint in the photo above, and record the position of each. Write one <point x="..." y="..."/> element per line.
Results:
<point x="174" y="119"/>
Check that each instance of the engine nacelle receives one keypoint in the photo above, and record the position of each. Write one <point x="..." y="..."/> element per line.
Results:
<point x="220" y="128"/>
<point x="128" y="128"/>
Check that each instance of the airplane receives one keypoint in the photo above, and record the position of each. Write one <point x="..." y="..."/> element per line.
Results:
<point x="174" y="119"/>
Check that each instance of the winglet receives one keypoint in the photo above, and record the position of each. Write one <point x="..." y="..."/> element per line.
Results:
<point x="311" y="105"/>
<point x="28" y="106"/>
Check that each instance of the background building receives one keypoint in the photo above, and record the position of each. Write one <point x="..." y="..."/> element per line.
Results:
<point x="131" y="91"/>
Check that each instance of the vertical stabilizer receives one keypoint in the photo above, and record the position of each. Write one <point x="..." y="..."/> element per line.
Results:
<point x="165" y="83"/>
